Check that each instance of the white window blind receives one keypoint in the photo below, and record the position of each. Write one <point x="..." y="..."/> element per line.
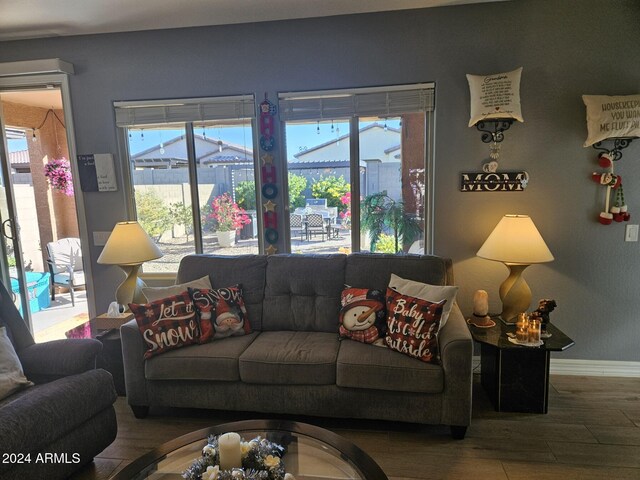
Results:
<point x="379" y="101"/>
<point x="190" y="110"/>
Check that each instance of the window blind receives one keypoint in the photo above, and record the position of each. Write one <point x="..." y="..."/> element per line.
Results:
<point x="379" y="101"/>
<point x="178" y="111"/>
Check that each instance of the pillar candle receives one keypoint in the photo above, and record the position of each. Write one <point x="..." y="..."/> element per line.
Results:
<point x="480" y="303"/>
<point x="230" y="452"/>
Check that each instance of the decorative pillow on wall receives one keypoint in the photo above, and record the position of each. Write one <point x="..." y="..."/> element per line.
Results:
<point x="610" y="117"/>
<point x="424" y="291"/>
<point x="412" y="326"/>
<point x="158" y="293"/>
<point x="495" y="96"/>
<point x="12" y="376"/>
<point x="167" y="324"/>
<point x="221" y="311"/>
<point x="363" y="315"/>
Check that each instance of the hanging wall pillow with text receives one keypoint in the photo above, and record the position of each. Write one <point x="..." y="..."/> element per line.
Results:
<point x="611" y="117"/>
<point x="495" y="96"/>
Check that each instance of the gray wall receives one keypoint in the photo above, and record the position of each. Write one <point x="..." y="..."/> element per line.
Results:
<point x="567" y="48"/>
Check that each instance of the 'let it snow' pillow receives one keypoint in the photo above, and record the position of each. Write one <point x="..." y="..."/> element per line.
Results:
<point x="222" y="312"/>
<point x="412" y="326"/>
<point x="495" y="96"/>
<point x="363" y="315"/>
<point x="167" y="324"/>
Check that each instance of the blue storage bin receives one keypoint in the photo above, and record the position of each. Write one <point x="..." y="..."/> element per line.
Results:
<point x="37" y="290"/>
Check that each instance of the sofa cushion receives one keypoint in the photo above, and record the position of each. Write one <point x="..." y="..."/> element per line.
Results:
<point x="216" y="361"/>
<point x="369" y="270"/>
<point x="291" y="358"/>
<point x="11" y="374"/>
<point x="363" y="316"/>
<point x="302" y="293"/>
<point x="248" y="270"/>
<point x="368" y="366"/>
<point x="167" y="324"/>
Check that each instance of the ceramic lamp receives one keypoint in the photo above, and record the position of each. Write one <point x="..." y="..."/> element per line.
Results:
<point x="129" y="246"/>
<point x="517" y="243"/>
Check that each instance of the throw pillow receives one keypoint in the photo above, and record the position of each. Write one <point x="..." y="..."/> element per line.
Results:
<point x="12" y="376"/>
<point x="167" y="324"/>
<point x="611" y="116"/>
<point x="495" y="96"/>
<point x="424" y="291"/>
<point x="221" y="311"/>
<point x="363" y="315"/>
<point x="412" y="326"/>
<point x="158" y="293"/>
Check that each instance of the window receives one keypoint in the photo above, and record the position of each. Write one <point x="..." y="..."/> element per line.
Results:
<point x="362" y="160"/>
<point x="193" y="175"/>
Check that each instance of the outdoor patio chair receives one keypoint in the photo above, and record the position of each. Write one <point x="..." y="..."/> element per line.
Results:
<point x="296" y="225"/>
<point x="64" y="257"/>
<point x="315" y="225"/>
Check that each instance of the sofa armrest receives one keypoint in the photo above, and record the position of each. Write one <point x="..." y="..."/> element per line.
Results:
<point x="133" y="348"/>
<point x="456" y="353"/>
<point x="44" y="362"/>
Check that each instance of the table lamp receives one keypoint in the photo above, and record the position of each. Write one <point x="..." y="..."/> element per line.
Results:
<point x="129" y="246"/>
<point x="517" y="243"/>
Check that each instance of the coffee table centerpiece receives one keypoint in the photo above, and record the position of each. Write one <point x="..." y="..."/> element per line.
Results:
<point x="230" y="457"/>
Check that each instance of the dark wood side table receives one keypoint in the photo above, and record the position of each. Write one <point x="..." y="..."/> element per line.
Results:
<point x="517" y="377"/>
<point x="107" y="330"/>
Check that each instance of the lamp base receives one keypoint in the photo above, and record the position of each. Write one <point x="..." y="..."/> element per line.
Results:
<point x="130" y="290"/>
<point x="515" y="294"/>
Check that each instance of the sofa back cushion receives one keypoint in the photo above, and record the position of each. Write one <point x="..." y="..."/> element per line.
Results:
<point x="223" y="271"/>
<point x="302" y="292"/>
<point x="367" y="270"/>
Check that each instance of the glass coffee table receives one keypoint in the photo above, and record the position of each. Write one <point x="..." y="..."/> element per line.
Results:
<point x="311" y="453"/>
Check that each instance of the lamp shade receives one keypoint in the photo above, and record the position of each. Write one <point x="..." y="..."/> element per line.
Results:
<point x="516" y="240"/>
<point x="129" y="244"/>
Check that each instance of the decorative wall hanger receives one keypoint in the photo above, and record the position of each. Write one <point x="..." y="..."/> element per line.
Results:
<point x="269" y="179"/>
<point x="612" y="124"/>
<point x="495" y="104"/>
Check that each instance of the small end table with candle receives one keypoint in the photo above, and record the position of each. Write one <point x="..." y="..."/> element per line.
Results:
<point x="516" y="377"/>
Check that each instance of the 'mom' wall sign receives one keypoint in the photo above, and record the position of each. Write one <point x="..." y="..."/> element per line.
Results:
<point x="493" y="181"/>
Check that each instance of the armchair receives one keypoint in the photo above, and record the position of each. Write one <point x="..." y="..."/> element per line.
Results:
<point x="64" y="257"/>
<point x="68" y="411"/>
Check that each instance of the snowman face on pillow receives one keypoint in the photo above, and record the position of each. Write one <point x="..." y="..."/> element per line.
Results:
<point x="359" y="317"/>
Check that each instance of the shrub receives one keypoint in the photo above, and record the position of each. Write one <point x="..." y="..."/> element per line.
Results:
<point x="153" y="215"/>
<point x="333" y="189"/>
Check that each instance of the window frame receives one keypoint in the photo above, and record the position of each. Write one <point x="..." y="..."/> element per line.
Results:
<point x="129" y="187"/>
<point x="354" y="148"/>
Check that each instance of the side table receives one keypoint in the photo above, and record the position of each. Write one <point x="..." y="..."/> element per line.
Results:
<point x="517" y="377"/>
<point x="107" y="330"/>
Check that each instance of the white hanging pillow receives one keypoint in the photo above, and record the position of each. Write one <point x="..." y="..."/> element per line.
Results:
<point x="495" y="96"/>
<point x="611" y="117"/>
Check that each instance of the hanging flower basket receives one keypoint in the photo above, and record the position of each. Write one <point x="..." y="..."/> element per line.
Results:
<point x="58" y="173"/>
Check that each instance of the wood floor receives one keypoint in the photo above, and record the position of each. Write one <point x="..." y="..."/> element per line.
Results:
<point x="592" y="431"/>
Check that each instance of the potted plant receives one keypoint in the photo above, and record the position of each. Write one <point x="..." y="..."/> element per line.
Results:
<point x="58" y="172"/>
<point x="228" y="218"/>
<point x="381" y="214"/>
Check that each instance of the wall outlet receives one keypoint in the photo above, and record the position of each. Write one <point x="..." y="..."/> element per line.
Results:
<point x="100" y="238"/>
<point x="631" y="233"/>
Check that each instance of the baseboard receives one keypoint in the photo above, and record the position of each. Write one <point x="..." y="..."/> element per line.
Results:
<point x="587" y="368"/>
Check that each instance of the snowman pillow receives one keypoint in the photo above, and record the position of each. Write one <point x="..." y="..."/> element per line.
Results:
<point x="363" y="315"/>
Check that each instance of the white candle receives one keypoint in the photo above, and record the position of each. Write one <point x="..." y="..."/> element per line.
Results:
<point x="230" y="452"/>
<point x="480" y="303"/>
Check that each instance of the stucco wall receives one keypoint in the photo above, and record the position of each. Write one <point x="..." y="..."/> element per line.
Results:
<point x="567" y="48"/>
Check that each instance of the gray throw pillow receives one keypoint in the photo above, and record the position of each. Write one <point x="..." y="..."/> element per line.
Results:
<point x="11" y="374"/>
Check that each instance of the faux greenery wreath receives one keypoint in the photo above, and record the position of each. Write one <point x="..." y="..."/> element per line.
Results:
<point x="261" y="460"/>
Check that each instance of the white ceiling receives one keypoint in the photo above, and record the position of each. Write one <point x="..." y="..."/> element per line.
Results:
<point x="20" y="19"/>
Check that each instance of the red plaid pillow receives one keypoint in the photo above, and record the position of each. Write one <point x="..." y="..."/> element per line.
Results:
<point x="412" y="326"/>
<point x="221" y="311"/>
<point x="167" y="324"/>
<point x="362" y="316"/>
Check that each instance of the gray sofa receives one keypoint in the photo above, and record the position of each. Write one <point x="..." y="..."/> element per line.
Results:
<point x="293" y="362"/>
<point x="69" y="412"/>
